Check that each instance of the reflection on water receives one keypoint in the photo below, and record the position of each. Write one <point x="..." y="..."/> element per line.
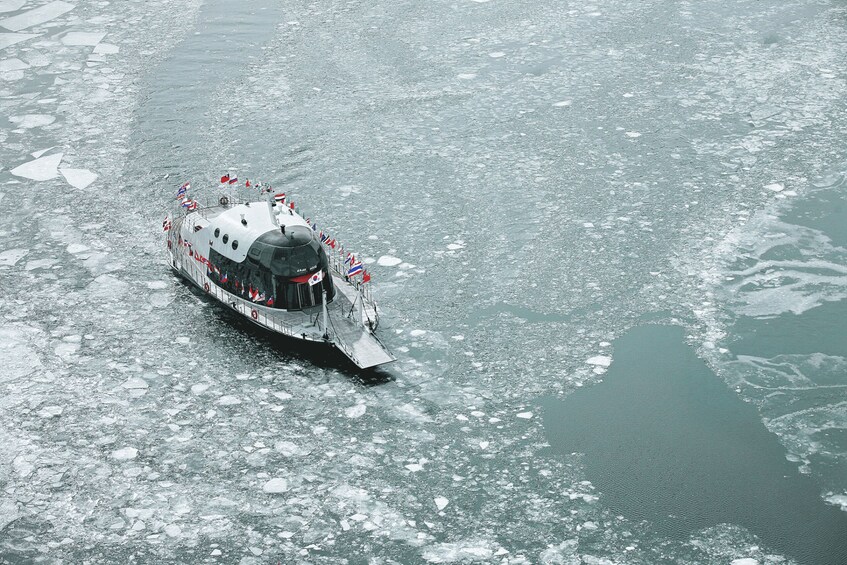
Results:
<point x="667" y="442"/>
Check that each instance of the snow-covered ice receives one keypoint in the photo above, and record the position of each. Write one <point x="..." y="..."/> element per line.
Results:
<point x="29" y="121"/>
<point x="388" y="261"/>
<point x="78" y="178"/>
<point x="36" y="16"/>
<point x="9" y="39"/>
<point x="41" y="169"/>
<point x="82" y="38"/>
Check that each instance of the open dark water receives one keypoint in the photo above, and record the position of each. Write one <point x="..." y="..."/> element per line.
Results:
<point x="668" y="443"/>
<point x="528" y="184"/>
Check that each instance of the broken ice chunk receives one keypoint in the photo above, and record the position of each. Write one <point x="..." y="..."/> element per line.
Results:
<point x="78" y="178"/>
<point x="125" y="453"/>
<point x="7" y="39"/>
<point x="36" y="16"/>
<point x="43" y="168"/>
<point x="83" y="38"/>
<point x="276" y="486"/>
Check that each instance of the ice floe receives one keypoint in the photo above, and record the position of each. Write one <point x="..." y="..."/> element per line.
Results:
<point x="12" y="64"/>
<point x="40" y="169"/>
<point x="36" y="16"/>
<point x="276" y="486"/>
<point x="11" y="5"/>
<point x="125" y="453"/>
<point x="599" y="360"/>
<point x="106" y="49"/>
<point x="388" y="261"/>
<point x="29" y="121"/>
<point x="10" y="257"/>
<point x="82" y="38"/>
<point x="78" y="178"/>
<point x="355" y="411"/>
<point x="441" y="502"/>
<point x="8" y="39"/>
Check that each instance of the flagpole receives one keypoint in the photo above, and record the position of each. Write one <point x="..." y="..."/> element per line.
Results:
<point x="362" y="307"/>
<point x="323" y="307"/>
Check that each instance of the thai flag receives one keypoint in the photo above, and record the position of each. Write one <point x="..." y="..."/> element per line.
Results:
<point x="187" y="203"/>
<point x="324" y="237"/>
<point x="180" y="194"/>
<point x="166" y="225"/>
<point x="280" y="197"/>
<point x="349" y="259"/>
<point x="185" y="186"/>
<point x="233" y="180"/>
<point x="271" y="301"/>
<point x="225" y="277"/>
<point x="260" y="298"/>
<point x="193" y="205"/>
<point x="316" y="278"/>
<point x="354" y="270"/>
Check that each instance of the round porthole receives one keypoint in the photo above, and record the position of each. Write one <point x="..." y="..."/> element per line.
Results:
<point x="225" y="238"/>
<point x="235" y="244"/>
<point x="217" y="232"/>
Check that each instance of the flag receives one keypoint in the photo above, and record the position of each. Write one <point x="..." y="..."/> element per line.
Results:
<point x="233" y="180"/>
<point x="224" y="179"/>
<point x="331" y="243"/>
<point x="366" y="277"/>
<point x="186" y="203"/>
<point x="260" y="298"/>
<point x="280" y="197"/>
<point x="324" y="237"/>
<point x="291" y="205"/>
<point x="193" y="205"/>
<point x="349" y="258"/>
<point x="354" y="270"/>
<point x="225" y="277"/>
<point x="180" y="193"/>
<point x="247" y="183"/>
<point x="271" y="301"/>
<point x="316" y="278"/>
<point x="166" y="225"/>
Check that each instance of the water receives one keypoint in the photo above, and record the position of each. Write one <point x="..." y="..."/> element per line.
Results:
<point x="547" y="176"/>
<point x="668" y="443"/>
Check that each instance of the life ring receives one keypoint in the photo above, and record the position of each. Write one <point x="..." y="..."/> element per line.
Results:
<point x="254" y="314"/>
<point x="206" y="287"/>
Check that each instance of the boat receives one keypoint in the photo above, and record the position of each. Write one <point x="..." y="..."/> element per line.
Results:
<point x="263" y="260"/>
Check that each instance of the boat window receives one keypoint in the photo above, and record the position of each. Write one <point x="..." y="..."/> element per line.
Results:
<point x="217" y="232"/>
<point x="235" y="244"/>
<point x="225" y="238"/>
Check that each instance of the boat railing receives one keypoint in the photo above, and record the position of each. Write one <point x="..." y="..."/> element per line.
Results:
<point x="241" y="305"/>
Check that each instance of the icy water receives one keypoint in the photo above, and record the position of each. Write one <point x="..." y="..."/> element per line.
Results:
<point x="554" y="200"/>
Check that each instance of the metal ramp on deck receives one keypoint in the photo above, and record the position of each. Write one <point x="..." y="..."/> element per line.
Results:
<point x="349" y="334"/>
<point x="359" y="344"/>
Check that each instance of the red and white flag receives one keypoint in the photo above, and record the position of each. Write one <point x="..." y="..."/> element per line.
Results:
<point x="316" y="278"/>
